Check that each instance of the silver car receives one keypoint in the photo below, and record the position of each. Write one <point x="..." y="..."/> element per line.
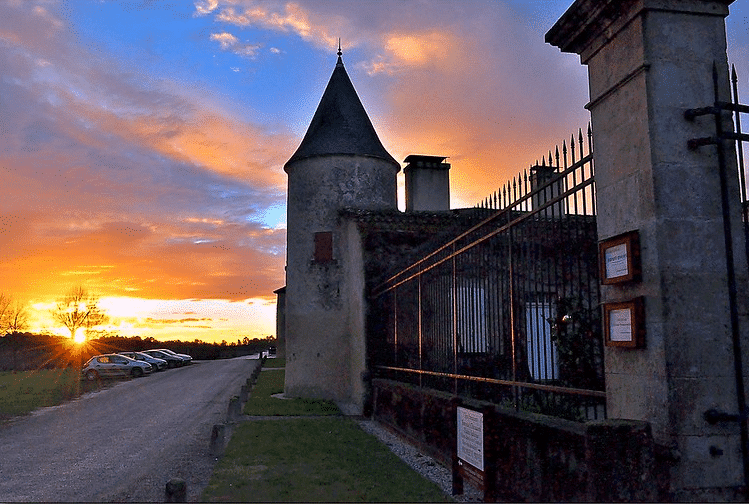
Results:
<point x="186" y="359"/>
<point x="156" y="363"/>
<point x="114" y="365"/>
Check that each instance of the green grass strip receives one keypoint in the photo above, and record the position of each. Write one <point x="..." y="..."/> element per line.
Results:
<point x="23" y="392"/>
<point x="262" y="402"/>
<point x="274" y="363"/>
<point x="313" y="460"/>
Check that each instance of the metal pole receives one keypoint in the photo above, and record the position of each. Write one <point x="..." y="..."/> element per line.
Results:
<point x="730" y="270"/>
<point x="455" y="322"/>
<point x="421" y="368"/>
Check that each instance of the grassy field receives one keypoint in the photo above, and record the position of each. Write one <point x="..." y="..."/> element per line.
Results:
<point x="271" y="382"/>
<point x="313" y="460"/>
<point x="274" y="363"/>
<point x="23" y="392"/>
<point x="328" y="459"/>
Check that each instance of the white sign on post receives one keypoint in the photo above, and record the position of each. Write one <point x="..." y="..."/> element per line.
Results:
<point x="616" y="261"/>
<point x="620" y="325"/>
<point x="471" y="437"/>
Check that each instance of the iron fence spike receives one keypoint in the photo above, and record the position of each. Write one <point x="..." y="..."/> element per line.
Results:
<point x="572" y="147"/>
<point x="734" y="77"/>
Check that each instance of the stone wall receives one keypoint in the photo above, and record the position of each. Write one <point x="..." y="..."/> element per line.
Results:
<point x="538" y="458"/>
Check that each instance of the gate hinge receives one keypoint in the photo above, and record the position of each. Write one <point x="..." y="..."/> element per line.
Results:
<point x="713" y="416"/>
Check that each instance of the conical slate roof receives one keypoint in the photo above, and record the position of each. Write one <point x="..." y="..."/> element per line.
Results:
<point x="340" y="124"/>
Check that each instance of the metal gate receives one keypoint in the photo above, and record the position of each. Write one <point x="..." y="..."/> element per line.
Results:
<point x="508" y="311"/>
<point x="728" y="134"/>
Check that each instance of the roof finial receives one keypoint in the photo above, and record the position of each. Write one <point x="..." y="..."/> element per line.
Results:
<point x="339" y="63"/>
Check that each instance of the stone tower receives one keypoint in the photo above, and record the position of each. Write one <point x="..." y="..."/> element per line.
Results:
<point x="340" y="163"/>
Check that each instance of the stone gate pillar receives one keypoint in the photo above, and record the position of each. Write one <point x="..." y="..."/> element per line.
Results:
<point x="648" y="61"/>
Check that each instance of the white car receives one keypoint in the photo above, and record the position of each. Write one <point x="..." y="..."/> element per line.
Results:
<point x="114" y="365"/>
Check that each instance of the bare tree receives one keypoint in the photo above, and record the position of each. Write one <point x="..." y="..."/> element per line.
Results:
<point x="14" y="316"/>
<point x="5" y="301"/>
<point x="79" y="309"/>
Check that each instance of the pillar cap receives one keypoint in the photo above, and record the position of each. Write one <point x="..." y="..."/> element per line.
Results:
<point x="588" y="24"/>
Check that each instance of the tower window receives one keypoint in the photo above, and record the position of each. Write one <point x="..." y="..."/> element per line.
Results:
<point x="323" y="247"/>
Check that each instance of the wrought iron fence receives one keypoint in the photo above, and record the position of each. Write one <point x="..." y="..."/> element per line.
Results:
<point x="508" y="311"/>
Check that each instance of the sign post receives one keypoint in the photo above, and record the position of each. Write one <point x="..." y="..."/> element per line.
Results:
<point x="471" y="461"/>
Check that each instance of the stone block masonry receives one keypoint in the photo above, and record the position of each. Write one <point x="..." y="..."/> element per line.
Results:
<point x="648" y="61"/>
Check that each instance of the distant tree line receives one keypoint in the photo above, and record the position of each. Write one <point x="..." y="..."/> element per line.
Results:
<point x="23" y="351"/>
<point x="79" y="311"/>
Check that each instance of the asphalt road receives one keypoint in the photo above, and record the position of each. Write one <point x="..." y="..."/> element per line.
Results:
<point x="125" y="442"/>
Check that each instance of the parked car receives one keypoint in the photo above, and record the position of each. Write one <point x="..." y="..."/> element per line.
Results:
<point x="171" y="360"/>
<point x="186" y="358"/>
<point x="156" y="363"/>
<point x="114" y="365"/>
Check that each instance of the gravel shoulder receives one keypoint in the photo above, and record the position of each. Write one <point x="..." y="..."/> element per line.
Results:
<point x="122" y="443"/>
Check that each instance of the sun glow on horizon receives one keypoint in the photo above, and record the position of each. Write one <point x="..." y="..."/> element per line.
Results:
<point x="209" y="320"/>
<point x="80" y="336"/>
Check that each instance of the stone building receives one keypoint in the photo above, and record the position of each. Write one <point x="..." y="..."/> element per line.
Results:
<point x="344" y="232"/>
<point x="676" y="403"/>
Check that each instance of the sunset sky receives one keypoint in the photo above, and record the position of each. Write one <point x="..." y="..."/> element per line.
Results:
<point x="142" y="143"/>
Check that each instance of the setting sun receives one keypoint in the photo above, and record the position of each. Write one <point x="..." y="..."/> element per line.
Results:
<point x="80" y="336"/>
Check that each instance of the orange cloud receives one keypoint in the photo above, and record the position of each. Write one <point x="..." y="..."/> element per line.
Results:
<point x="402" y="51"/>
<point x="285" y="17"/>
<point x="149" y="187"/>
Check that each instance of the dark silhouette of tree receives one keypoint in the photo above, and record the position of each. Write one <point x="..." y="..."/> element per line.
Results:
<point x="4" y="305"/>
<point x="14" y="317"/>
<point x="79" y="309"/>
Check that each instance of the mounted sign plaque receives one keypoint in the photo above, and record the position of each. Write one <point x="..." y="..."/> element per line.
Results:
<point x="624" y="324"/>
<point x="471" y="437"/>
<point x="474" y="457"/>
<point x="619" y="258"/>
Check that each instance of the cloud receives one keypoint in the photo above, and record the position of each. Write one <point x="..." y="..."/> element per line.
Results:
<point x="226" y="40"/>
<point x="471" y="80"/>
<point x="205" y="7"/>
<point x="229" y="42"/>
<point x="403" y="51"/>
<point x="283" y="17"/>
<point x="126" y="183"/>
